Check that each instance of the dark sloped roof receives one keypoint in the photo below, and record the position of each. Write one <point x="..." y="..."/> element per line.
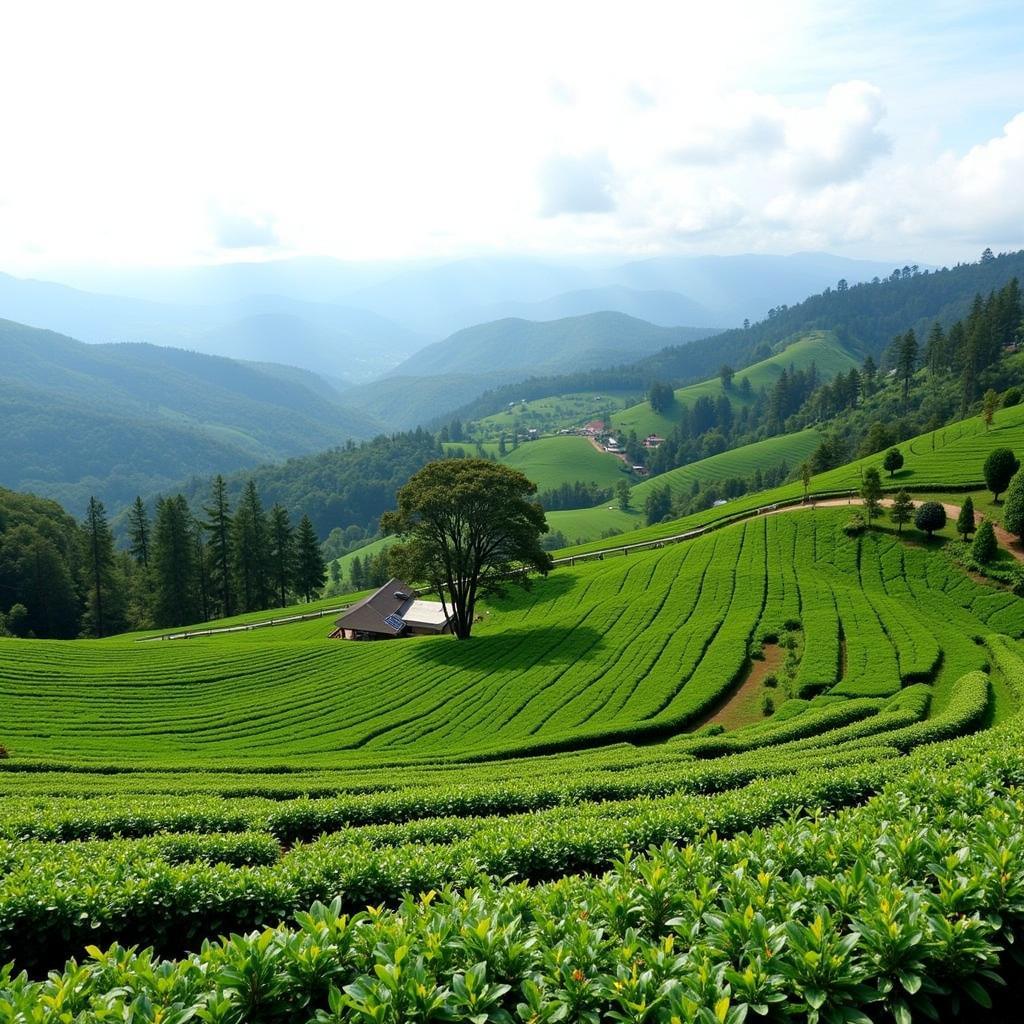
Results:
<point x="369" y="614"/>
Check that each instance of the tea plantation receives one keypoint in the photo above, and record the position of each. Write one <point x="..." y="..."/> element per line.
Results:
<point x="201" y="825"/>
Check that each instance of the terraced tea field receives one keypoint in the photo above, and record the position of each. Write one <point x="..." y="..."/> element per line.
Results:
<point x="579" y="660"/>
<point x="165" y="793"/>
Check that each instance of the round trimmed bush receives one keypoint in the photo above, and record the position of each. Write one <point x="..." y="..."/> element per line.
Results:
<point x="930" y="516"/>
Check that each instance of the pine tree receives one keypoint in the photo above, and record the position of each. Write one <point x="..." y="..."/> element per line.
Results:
<point x="174" y="563"/>
<point x="310" y="571"/>
<point x="906" y="361"/>
<point x="902" y="510"/>
<point x="201" y="553"/>
<point x="100" y="553"/>
<point x="218" y="525"/>
<point x="871" y="493"/>
<point x="138" y="532"/>
<point x="282" y="552"/>
<point x="965" y="521"/>
<point x="250" y="550"/>
<point x="356" y="573"/>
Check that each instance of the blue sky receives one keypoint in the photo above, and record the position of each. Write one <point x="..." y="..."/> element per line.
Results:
<point x="192" y="132"/>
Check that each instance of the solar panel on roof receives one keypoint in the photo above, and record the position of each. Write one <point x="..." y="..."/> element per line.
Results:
<point x="395" y="621"/>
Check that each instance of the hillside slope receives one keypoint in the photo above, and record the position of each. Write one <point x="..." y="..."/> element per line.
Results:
<point x="526" y="346"/>
<point x="819" y="348"/>
<point x="113" y="420"/>
<point x="581" y="525"/>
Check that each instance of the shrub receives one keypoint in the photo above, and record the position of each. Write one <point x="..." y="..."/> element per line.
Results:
<point x="767" y="705"/>
<point x="984" y="547"/>
<point x="930" y="516"/>
<point x="855" y="525"/>
<point x="771" y="680"/>
<point x="893" y="461"/>
<point x="1011" y="397"/>
<point x="1013" y="512"/>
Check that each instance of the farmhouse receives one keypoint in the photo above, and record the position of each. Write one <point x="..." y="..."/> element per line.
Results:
<point x="393" y="611"/>
<point x="653" y="441"/>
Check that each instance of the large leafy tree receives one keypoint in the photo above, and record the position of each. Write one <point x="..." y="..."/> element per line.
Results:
<point x="467" y="526"/>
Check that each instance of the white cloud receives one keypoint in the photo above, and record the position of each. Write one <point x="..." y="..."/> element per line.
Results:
<point x="400" y="129"/>
<point x="838" y="140"/>
<point x="576" y="184"/>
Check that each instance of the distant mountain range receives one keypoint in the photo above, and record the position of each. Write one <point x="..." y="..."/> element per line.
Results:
<point x="526" y="347"/>
<point x="359" y="321"/>
<point x="114" y="420"/>
<point x="349" y="344"/>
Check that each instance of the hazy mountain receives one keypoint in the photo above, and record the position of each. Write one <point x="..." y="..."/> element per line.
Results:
<point x="349" y="343"/>
<point x="721" y="290"/>
<point x="406" y="402"/>
<point x="529" y="347"/>
<point x="661" y="307"/>
<point x="113" y="420"/>
<point x="360" y="321"/>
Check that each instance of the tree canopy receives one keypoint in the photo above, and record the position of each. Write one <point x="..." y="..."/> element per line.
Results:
<point x="467" y="526"/>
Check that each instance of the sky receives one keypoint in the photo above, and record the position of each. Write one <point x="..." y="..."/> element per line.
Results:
<point x="148" y="133"/>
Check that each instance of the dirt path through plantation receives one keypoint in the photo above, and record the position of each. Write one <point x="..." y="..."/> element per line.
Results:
<point x="743" y="705"/>
<point x="1005" y="539"/>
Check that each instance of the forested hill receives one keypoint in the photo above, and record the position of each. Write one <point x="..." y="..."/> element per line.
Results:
<point x="547" y="346"/>
<point x="116" y="420"/>
<point x="865" y="317"/>
<point x="350" y="485"/>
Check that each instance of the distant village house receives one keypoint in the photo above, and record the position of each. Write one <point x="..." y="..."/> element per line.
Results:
<point x="393" y="611"/>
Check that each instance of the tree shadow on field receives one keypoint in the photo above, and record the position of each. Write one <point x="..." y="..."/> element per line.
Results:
<point x="542" y="590"/>
<point x="513" y="650"/>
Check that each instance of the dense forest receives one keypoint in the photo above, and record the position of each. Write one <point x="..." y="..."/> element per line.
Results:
<point x="61" y="579"/>
<point x="351" y="485"/>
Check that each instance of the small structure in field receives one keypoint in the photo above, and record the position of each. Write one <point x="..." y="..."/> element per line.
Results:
<point x="653" y="441"/>
<point x="391" y="612"/>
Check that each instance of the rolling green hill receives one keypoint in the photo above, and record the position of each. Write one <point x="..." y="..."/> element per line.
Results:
<point x="820" y="348"/>
<point x="581" y="525"/>
<point x="117" y="420"/>
<point x="549" y="414"/>
<point x="552" y="461"/>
